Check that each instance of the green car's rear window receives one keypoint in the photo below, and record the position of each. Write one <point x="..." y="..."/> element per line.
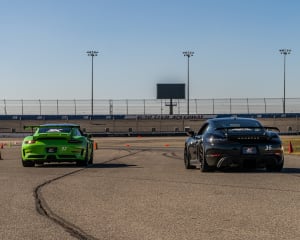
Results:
<point x="54" y="130"/>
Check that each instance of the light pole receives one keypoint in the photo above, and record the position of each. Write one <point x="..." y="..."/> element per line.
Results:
<point x="284" y="52"/>
<point x="188" y="54"/>
<point x="92" y="54"/>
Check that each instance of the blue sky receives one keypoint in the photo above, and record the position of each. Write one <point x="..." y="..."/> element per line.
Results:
<point x="43" y="48"/>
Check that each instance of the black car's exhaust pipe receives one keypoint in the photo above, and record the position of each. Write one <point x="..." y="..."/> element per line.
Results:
<point x="221" y="161"/>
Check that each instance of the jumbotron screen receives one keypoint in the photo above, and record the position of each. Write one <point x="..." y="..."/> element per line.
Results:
<point x="170" y="91"/>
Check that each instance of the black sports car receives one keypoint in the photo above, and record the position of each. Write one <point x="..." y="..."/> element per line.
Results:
<point x="234" y="142"/>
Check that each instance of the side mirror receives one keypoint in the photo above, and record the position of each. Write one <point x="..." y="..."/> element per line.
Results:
<point x="88" y="135"/>
<point x="191" y="133"/>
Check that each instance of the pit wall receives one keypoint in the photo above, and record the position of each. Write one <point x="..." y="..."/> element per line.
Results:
<point x="142" y="125"/>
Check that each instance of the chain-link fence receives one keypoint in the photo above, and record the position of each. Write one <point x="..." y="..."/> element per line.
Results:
<point x="149" y="106"/>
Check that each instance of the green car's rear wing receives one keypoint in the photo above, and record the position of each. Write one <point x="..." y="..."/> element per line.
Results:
<point x="49" y="126"/>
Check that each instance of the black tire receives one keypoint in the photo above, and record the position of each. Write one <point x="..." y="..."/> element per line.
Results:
<point x="85" y="162"/>
<point x="187" y="158"/>
<point x="275" y="168"/>
<point x="202" y="159"/>
<point x="28" y="163"/>
<point x="91" y="159"/>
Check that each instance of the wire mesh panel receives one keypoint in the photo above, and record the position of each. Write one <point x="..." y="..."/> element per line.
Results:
<point x="83" y="107"/>
<point x="257" y="105"/>
<point x="293" y="105"/>
<point x="149" y="106"/>
<point x="32" y="107"/>
<point x="120" y="107"/>
<point x="203" y="106"/>
<point x="49" y="107"/>
<point x="11" y="107"/>
<point x="222" y="106"/>
<point x="154" y="106"/>
<point x="239" y="106"/>
<point x="102" y="107"/>
<point x="274" y="105"/>
<point x="136" y="106"/>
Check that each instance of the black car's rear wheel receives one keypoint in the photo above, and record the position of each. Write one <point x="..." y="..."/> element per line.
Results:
<point x="187" y="158"/>
<point x="275" y="167"/>
<point x="85" y="162"/>
<point x="202" y="159"/>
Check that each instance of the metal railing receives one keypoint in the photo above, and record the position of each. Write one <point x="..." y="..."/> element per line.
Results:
<point x="149" y="106"/>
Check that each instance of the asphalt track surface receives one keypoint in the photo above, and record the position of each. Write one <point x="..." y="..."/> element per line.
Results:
<point x="138" y="189"/>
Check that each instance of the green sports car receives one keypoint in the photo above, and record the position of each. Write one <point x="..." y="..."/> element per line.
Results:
<point x="57" y="143"/>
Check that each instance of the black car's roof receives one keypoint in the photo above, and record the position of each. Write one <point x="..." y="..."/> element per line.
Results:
<point x="232" y="119"/>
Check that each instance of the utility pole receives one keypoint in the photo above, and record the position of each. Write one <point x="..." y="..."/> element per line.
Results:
<point x="92" y="54"/>
<point x="284" y="52"/>
<point x="188" y="54"/>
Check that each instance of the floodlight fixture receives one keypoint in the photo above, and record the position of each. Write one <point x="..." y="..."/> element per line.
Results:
<point x="284" y="52"/>
<point x="188" y="54"/>
<point x="92" y="54"/>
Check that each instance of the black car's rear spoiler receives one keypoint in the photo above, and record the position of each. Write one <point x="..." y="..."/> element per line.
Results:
<point x="239" y="127"/>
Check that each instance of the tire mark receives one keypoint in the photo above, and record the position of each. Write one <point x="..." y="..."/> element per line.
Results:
<point x="173" y="155"/>
<point x="43" y="209"/>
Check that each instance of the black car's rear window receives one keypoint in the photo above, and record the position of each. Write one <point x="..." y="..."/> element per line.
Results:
<point x="236" y="123"/>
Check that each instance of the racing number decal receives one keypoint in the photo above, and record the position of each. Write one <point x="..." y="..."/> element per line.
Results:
<point x="64" y="148"/>
<point x="268" y="148"/>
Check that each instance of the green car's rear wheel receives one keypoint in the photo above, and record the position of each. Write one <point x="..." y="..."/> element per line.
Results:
<point x="91" y="158"/>
<point x="27" y="163"/>
<point x="85" y="162"/>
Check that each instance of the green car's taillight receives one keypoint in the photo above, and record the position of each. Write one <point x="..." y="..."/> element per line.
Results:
<point x="29" y="141"/>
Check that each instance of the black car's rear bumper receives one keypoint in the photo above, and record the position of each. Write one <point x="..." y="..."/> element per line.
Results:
<point x="233" y="156"/>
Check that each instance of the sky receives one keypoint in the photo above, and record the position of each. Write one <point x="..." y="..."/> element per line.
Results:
<point x="236" y="44"/>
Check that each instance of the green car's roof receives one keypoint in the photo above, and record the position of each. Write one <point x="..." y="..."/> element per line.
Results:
<point x="59" y="125"/>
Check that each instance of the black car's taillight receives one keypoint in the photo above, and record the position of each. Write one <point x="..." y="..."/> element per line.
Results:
<point x="216" y="139"/>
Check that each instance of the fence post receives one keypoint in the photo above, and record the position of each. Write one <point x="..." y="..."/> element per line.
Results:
<point x="22" y="107"/>
<point x="57" y="112"/>
<point x="111" y="107"/>
<point x="75" y="107"/>
<point x="5" y="111"/>
<point x="248" y="106"/>
<point x="40" y="107"/>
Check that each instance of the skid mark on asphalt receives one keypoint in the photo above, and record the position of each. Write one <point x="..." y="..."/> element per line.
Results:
<point x="172" y="155"/>
<point x="43" y="208"/>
